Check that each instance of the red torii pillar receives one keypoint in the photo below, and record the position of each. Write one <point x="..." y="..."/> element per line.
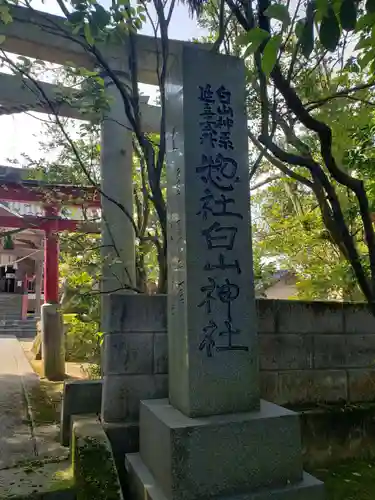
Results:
<point x="51" y="258"/>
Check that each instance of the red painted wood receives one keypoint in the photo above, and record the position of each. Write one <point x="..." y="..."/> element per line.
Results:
<point x="25" y="299"/>
<point x="41" y="223"/>
<point x="51" y="196"/>
<point x="51" y="260"/>
<point x="30" y="191"/>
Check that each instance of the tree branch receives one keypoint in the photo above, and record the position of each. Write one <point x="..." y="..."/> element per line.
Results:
<point x="342" y="93"/>
<point x="266" y="181"/>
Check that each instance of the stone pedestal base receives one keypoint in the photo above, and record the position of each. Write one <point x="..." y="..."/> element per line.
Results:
<point x="53" y="348"/>
<point x="255" y="455"/>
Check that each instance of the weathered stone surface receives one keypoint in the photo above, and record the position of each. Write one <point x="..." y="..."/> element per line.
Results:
<point x="269" y="386"/>
<point x="309" y="317"/>
<point x="361" y="385"/>
<point x="358" y="319"/>
<point x="128" y="353"/>
<point x="94" y="468"/>
<point x="266" y="315"/>
<point x="222" y="454"/>
<point x="347" y="351"/>
<point x="53" y="345"/>
<point x="211" y="310"/>
<point x="337" y="433"/>
<point x="160" y="353"/>
<point x="124" y="438"/>
<point x="285" y="351"/>
<point x="143" y="486"/>
<point x="298" y="387"/>
<point x="131" y="313"/>
<point x="80" y="397"/>
<point x="329" y="351"/>
<point x="121" y="403"/>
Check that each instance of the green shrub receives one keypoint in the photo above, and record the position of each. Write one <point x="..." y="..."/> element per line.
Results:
<point x="83" y="340"/>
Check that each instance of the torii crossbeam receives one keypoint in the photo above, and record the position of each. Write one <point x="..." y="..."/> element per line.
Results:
<point x="52" y="197"/>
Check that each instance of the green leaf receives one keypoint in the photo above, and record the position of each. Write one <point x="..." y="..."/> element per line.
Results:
<point x="253" y="39"/>
<point x="270" y="54"/>
<point x="366" y="59"/>
<point x="279" y="12"/>
<point x="2" y="39"/>
<point x="372" y="66"/>
<point x="306" y="37"/>
<point x="322" y="7"/>
<point x="5" y="15"/>
<point x="254" y="35"/>
<point x="348" y="15"/>
<point x="305" y="34"/>
<point x="370" y="6"/>
<point x="329" y="33"/>
<point x="363" y="43"/>
<point x="88" y="34"/>
<point x="101" y="17"/>
<point x="300" y="24"/>
<point x="365" y="21"/>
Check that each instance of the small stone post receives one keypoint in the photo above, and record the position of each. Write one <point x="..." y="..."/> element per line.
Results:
<point x="213" y="438"/>
<point x="53" y="347"/>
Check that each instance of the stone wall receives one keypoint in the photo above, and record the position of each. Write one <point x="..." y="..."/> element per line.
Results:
<point x="309" y="352"/>
<point x="313" y="352"/>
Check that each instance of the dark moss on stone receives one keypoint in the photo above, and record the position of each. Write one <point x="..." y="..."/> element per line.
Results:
<point x="94" y="467"/>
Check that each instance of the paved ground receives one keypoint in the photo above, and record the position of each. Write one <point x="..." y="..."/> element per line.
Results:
<point x="22" y="437"/>
<point x="16" y="440"/>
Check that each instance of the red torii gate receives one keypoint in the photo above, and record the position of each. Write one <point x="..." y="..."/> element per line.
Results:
<point x="52" y="197"/>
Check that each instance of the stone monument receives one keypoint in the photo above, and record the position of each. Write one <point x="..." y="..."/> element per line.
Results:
<point x="213" y="437"/>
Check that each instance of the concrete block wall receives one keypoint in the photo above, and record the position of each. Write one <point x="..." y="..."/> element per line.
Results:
<point x="310" y="352"/>
<point x="134" y="355"/>
<point x="316" y="352"/>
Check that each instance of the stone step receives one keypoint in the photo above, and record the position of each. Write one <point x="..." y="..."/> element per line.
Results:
<point x="8" y="327"/>
<point x="17" y="328"/>
<point x="143" y="486"/>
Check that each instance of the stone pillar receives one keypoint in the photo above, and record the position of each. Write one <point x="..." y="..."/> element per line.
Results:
<point x="214" y="437"/>
<point x="118" y="240"/>
<point x="53" y="348"/>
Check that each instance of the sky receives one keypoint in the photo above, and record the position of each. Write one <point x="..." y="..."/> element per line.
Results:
<point x="21" y="133"/>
